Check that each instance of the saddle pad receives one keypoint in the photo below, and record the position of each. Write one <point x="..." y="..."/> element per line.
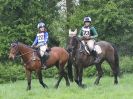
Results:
<point x="98" y="49"/>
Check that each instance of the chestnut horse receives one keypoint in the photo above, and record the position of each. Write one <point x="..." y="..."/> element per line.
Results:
<point x="57" y="57"/>
<point x="83" y="59"/>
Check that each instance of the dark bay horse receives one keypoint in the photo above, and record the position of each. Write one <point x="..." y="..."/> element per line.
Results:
<point x="57" y="57"/>
<point x="82" y="60"/>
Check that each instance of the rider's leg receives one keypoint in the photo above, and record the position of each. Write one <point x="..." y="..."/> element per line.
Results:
<point x="43" y="53"/>
<point x="91" y="45"/>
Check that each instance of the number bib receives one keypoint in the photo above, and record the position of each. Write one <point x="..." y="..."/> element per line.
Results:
<point x="40" y="37"/>
<point x="86" y="31"/>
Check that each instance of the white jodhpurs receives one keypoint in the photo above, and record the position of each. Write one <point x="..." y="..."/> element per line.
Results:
<point x="43" y="49"/>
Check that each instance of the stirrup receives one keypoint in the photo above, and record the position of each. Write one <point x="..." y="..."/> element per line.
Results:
<point x="44" y="66"/>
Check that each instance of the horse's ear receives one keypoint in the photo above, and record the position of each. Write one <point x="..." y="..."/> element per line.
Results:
<point x="75" y="31"/>
<point x="72" y="33"/>
<point x="69" y="31"/>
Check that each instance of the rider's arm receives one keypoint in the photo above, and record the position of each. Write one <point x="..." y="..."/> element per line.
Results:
<point x="35" y="41"/>
<point x="95" y="34"/>
<point x="45" y="37"/>
<point x="80" y="33"/>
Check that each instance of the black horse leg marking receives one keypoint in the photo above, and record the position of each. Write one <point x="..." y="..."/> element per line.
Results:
<point x="39" y="73"/>
<point x="100" y="73"/>
<point x="28" y="74"/>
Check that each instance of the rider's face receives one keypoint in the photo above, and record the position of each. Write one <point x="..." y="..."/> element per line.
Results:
<point x="41" y="29"/>
<point x="87" y="23"/>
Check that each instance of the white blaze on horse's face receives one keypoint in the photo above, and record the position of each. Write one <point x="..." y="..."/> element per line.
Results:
<point x="72" y="33"/>
<point x="13" y="51"/>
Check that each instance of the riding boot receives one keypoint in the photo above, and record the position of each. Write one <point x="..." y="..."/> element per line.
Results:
<point x="96" y="56"/>
<point x="42" y="61"/>
<point x="44" y="58"/>
<point x="46" y="54"/>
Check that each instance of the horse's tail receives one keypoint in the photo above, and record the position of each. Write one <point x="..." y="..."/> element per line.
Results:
<point x="69" y="69"/>
<point x="116" y="60"/>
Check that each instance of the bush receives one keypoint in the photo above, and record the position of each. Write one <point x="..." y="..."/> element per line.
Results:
<point x="14" y="71"/>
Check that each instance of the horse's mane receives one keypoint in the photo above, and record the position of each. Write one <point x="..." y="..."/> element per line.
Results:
<point x="20" y="43"/>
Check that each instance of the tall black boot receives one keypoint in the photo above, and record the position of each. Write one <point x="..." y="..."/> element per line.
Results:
<point x="96" y="56"/>
<point x="46" y="55"/>
<point x="43" y="59"/>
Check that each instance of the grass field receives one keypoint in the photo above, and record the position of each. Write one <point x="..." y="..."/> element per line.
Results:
<point x="105" y="90"/>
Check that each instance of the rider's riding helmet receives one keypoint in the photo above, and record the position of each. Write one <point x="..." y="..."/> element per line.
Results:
<point x="87" y="19"/>
<point x="41" y="24"/>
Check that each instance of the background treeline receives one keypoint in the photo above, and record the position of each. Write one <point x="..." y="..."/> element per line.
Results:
<point x="113" y="20"/>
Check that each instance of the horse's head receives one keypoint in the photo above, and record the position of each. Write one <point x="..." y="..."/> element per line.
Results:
<point x="13" y="50"/>
<point x="72" y="40"/>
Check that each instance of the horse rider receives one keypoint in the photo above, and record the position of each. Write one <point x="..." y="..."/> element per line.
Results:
<point x="87" y="35"/>
<point x="41" y="41"/>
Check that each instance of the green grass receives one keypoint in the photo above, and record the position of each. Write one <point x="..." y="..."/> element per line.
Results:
<point x="105" y="90"/>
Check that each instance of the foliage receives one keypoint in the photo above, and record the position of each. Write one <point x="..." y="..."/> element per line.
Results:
<point x="113" y="20"/>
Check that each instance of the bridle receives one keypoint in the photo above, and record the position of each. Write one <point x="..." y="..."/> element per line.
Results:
<point x="17" y="49"/>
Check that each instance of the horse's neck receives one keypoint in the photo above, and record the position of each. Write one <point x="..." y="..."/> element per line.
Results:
<point x="25" y="51"/>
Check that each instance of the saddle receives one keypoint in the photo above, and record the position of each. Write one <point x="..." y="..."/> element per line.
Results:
<point x="84" y="48"/>
<point x="46" y="53"/>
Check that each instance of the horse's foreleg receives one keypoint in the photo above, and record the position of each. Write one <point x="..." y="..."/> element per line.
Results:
<point x="80" y="74"/>
<point x="28" y="74"/>
<point x="39" y="74"/>
<point x="100" y="73"/>
<point x="76" y="75"/>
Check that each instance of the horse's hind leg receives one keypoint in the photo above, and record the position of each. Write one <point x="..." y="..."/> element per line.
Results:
<point x="100" y="73"/>
<point x="60" y="77"/>
<point x="28" y="74"/>
<point x="66" y="78"/>
<point x="114" y="69"/>
<point x="62" y="74"/>
<point x="39" y="74"/>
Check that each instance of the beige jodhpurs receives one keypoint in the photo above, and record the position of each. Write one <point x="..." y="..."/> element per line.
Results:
<point x="43" y="49"/>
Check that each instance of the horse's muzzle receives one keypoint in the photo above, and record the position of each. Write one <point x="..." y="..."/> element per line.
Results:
<point x="11" y="57"/>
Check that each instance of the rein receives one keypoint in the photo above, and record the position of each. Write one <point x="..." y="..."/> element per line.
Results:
<point x="25" y="53"/>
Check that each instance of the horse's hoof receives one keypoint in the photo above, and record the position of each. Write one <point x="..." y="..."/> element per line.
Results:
<point x="116" y="82"/>
<point x="56" y="86"/>
<point x="46" y="86"/>
<point x="83" y="86"/>
<point x="96" y="83"/>
<point x="68" y="84"/>
<point x="28" y="89"/>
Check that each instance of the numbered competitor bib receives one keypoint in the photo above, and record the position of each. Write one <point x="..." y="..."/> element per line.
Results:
<point x="40" y="37"/>
<point x="86" y="31"/>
